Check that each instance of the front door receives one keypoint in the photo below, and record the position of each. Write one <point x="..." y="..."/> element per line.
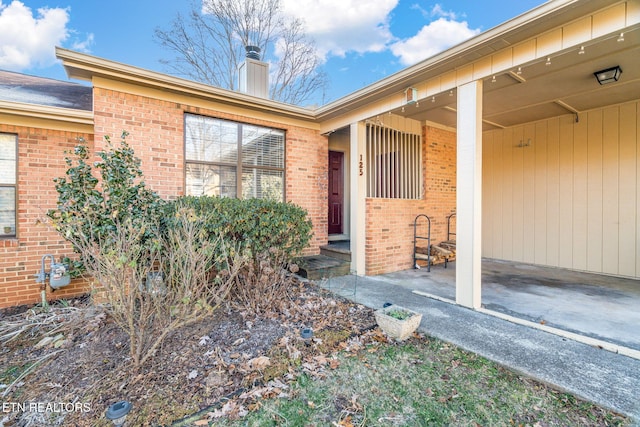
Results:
<point x="336" y="192"/>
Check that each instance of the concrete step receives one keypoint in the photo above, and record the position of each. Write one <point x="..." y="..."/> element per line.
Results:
<point x="316" y="267"/>
<point x="336" y="251"/>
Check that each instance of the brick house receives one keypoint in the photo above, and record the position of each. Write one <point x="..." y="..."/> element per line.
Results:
<point x="511" y="130"/>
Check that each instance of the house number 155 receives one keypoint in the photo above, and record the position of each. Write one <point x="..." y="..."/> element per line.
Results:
<point x="361" y="166"/>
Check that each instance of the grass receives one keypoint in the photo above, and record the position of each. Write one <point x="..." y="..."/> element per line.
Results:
<point x="399" y="313"/>
<point x="421" y="382"/>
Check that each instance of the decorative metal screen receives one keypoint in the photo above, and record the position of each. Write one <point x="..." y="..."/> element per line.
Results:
<point x="231" y="159"/>
<point x="394" y="163"/>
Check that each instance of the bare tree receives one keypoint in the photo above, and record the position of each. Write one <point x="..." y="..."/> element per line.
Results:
<point x="209" y="45"/>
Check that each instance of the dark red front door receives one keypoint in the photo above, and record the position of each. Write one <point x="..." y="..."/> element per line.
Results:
<point x="336" y="192"/>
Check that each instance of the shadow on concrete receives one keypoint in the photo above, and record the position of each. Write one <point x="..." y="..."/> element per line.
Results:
<point x="602" y="307"/>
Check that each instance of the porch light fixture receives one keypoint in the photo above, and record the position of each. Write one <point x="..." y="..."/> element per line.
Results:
<point x="410" y="95"/>
<point x="609" y="75"/>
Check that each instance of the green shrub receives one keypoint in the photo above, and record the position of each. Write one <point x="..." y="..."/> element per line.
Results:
<point x="259" y="238"/>
<point x="268" y="234"/>
<point x="156" y="274"/>
<point x="256" y="225"/>
<point x="92" y="205"/>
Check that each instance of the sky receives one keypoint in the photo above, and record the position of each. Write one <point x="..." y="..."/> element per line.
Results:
<point x="360" y="41"/>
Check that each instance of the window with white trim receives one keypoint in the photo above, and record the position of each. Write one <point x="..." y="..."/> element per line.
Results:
<point x="394" y="163"/>
<point x="232" y="159"/>
<point x="8" y="168"/>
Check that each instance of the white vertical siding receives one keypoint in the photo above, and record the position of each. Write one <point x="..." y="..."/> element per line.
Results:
<point x="517" y="237"/>
<point x="610" y="190"/>
<point x="579" y="200"/>
<point x="528" y="193"/>
<point x="541" y="196"/>
<point x="487" y="190"/>
<point x="629" y="208"/>
<point x="553" y="212"/>
<point x="595" y="218"/>
<point x="507" y="185"/>
<point x="497" y="198"/>
<point x="572" y="197"/>
<point x="566" y="205"/>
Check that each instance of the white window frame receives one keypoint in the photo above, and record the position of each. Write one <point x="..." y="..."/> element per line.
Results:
<point x="9" y="180"/>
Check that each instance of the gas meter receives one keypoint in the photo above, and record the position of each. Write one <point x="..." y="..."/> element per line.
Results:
<point x="58" y="274"/>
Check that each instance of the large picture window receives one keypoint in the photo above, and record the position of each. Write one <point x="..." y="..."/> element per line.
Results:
<point x="8" y="162"/>
<point x="230" y="159"/>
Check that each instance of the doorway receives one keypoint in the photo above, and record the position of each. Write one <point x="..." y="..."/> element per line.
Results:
<point x="336" y="193"/>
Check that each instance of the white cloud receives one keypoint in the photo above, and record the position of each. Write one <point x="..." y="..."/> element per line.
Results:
<point x="341" y="26"/>
<point x="83" y="45"/>
<point x="433" y="38"/>
<point x="438" y="11"/>
<point x="27" y="39"/>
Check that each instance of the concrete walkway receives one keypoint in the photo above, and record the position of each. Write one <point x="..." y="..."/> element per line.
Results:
<point x="608" y="379"/>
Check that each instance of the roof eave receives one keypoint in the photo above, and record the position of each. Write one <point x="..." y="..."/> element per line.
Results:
<point x="85" y="67"/>
<point x="81" y="117"/>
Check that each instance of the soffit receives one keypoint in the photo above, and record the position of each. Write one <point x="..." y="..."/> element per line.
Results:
<point x="566" y="86"/>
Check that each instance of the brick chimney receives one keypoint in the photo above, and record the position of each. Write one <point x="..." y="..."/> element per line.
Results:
<point x="254" y="74"/>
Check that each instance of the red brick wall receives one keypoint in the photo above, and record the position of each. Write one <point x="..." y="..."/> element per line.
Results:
<point x="40" y="160"/>
<point x="156" y="134"/>
<point x="440" y="178"/>
<point x="389" y="231"/>
<point x="389" y="228"/>
<point x="307" y="168"/>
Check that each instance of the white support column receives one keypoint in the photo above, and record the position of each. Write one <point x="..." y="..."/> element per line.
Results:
<point x="358" y="197"/>
<point x="469" y="196"/>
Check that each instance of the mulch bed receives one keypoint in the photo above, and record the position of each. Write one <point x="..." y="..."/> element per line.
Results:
<point x="197" y="368"/>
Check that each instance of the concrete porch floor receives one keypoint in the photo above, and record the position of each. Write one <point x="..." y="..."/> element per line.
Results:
<point x="592" y="305"/>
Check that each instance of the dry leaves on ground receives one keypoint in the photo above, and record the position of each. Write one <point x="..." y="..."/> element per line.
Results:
<point x="230" y="354"/>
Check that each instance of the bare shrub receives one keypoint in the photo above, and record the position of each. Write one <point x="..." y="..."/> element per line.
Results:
<point x="153" y="287"/>
<point x="264" y="283"/>
<point x="271" y="234"/>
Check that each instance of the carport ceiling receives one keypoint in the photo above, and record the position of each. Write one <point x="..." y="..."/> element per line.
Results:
<point x="540" y="91"/>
